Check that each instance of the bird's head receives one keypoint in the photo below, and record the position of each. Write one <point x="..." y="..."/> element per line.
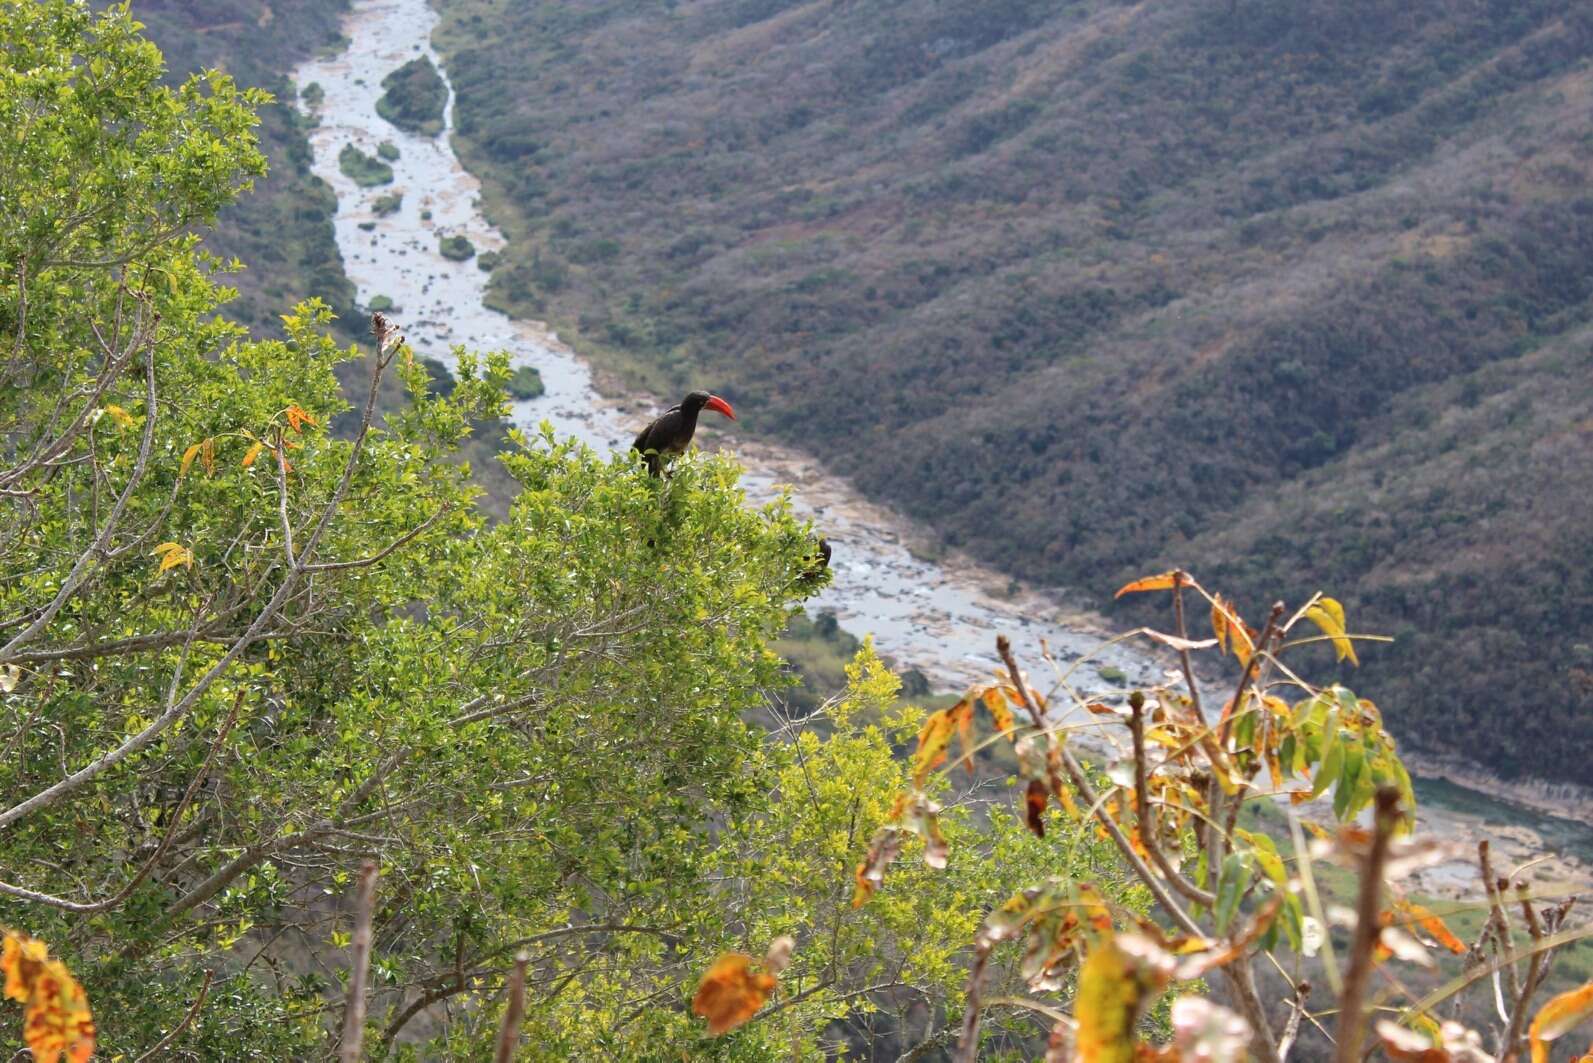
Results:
<point x="700" y="400"/>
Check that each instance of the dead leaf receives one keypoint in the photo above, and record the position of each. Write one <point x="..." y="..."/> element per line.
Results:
<point x="56" y="1016"/>
<point x="918" y="817"/>
<point x="933" y="738"/>
<point x="1433" y="925"/>
<point x="252" y="454"/>
<point x="870" y="874"/>
<point x="1179" y="643"/>
<point x="1000" y="712"/>
<point x="297" y="418"/>
<point x="1204" y="1032"/>
<point x="1559" y="1017"/>
<point x="1034" y="800"/>
<point x="731" y="992"/>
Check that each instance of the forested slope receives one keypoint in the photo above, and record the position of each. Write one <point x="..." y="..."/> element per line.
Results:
<point x="282" y="231"/>
<point x="1298" y="296"/>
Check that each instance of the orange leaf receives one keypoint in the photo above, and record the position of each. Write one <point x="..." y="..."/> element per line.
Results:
<point x="1034" y="807"/>
<point x="297" y="418"/>
<point x="1164" y="582"/>
<point x="56" y="1019"/>
<point x="1000" y="712"/>
<point x="1433" y="925"/>
<point x="254" y="452"/>
<point x="933" y="738"/>
<point x="962" y="714"/>
<point x="731" y="992"/>
<point x="1559" y="1016"/>
<point x="207" y="456"/>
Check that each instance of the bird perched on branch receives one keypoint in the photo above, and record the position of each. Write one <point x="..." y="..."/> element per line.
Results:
<point x="668" y="436"/>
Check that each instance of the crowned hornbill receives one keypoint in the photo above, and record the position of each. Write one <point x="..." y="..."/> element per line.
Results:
<point x="670" y="434"/>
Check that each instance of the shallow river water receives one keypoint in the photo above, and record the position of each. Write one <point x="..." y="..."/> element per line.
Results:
<point x="939" y="616"/>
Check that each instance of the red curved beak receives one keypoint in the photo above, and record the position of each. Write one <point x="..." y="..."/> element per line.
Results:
<point x="719" y="405"/>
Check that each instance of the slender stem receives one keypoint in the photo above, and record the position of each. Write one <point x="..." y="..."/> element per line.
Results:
<point x="1351" y="1031"/>
<point x="1142" y="809"/>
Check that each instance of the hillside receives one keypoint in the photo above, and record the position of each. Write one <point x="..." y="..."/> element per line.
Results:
<point x="1291" y="295"/>
<point x="282" y="231"/>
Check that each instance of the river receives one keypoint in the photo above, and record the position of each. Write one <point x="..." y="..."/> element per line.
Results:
<point x="939" y="616"/>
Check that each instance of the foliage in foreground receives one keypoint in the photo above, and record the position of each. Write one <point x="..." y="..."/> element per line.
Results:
<point x="253" y="635"/>
<point x="1227" y="897"/>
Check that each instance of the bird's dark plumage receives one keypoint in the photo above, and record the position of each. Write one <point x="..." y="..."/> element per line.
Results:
<point x="669" y="434"/>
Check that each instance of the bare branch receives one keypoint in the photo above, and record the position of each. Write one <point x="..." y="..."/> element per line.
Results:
<point x="359" y="965"/>
<point x="513" y="1012"/>
<point x="1351" y="1031"/>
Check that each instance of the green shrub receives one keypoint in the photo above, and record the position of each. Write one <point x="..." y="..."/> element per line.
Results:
<point x="414" y="98"/>
<point x="457" y="248"/>
<point x="526" y="383"/>
<point x="365" y="170"/>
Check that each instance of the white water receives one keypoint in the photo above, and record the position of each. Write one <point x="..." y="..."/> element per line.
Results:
<point x="937" y="617"/>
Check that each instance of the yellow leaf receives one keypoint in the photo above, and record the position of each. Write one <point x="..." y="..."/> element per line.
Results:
<point x="188" y="459"/>
<point x="254" y="452"/>
<point x="933" y="738"/>
<point x="1229" y="627"/>
<point x="1164" y="582"/>
<point x="731" y="992"/>
<point x="119" y="415"/>
<point x="173" y="554"/>
<point x="207" y="456"/>
<point x="1328" y="615"/>
<point x="1108" y="1003"/>
<point x="1559" y="1016"/>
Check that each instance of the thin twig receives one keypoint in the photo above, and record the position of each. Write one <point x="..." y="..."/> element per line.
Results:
<point x="193" y="1012"/>
<point x="1518" y="1014"/>
<point x="1142" y="809"/>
